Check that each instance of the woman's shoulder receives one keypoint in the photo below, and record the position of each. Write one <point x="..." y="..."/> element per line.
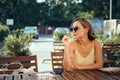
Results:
<point x="96" y="42"/>
<point x="72" y="44"/>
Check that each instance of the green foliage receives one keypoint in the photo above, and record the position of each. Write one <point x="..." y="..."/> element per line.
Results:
<point x="4" y="31"/>
<point x="86" y="14"/>
<point x="101" y="37"/>
<point x="17" y="44"/>
<point x="54" y="12"/>
<point x="59" y="35"/>
<point x="115" y="38"/>
<point x="117" y="61"/>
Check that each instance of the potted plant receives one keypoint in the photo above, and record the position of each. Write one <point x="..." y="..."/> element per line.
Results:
<point x="17" y="44"/>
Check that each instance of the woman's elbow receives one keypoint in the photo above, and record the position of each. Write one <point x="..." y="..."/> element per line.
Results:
<point x="99" y="66"/>
<point x="66" y="67"/>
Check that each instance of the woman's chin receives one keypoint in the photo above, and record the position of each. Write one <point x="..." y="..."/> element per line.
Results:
<point x="75" y="38"/>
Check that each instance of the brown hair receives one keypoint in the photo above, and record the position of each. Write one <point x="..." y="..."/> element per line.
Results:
<point x="86" y="23"/>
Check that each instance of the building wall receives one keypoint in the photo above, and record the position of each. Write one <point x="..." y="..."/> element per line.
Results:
<point x="45" y="29"/>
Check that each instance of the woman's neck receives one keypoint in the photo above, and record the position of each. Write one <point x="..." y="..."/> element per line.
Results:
<point x="84" y="41"/>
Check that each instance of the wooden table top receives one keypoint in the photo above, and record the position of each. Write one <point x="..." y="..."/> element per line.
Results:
<point x="89" y="75"/>
<point x="47" y="75"/>
<point x="66" y="75"/>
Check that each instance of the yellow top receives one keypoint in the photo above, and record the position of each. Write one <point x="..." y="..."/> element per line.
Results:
<point x="89" y="59"/>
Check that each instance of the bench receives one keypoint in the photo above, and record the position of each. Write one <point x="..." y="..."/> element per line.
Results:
<point x="109" y="49"/>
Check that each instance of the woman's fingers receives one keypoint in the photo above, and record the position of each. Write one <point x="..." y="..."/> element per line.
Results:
<point x="65" y="38"/>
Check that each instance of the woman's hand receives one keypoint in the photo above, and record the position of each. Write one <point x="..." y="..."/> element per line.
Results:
<point x="66" y="40"/>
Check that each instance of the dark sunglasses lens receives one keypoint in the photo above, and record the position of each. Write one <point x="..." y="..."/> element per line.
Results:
<point x="71" y="29"/>
<point x="75" y="29"/>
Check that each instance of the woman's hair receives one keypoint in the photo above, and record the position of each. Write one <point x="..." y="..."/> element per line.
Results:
<point x="86" y="24"/>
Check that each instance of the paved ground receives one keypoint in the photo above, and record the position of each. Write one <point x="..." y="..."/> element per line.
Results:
<point x="42" y="48"/>
<point x="45" y="38"/>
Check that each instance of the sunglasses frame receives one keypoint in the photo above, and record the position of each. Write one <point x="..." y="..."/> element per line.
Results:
<point x="74" y="28"/>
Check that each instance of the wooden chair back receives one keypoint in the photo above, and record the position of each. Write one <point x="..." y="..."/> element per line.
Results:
<point x="58" y="46"/>
<point x="109" y="49"/>
<point x="57" y="60"/>
<point x="27" y="61"/>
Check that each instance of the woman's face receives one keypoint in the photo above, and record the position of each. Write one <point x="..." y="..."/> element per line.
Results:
<point x="78" y="30"/>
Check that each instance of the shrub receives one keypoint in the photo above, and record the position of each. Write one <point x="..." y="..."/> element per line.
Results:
<point x="101" y="37"/>
<point x="59" y="35"/>
<point x="17" y="44"/>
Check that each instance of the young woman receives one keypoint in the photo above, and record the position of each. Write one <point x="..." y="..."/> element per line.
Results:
<point x="84" y="52"/>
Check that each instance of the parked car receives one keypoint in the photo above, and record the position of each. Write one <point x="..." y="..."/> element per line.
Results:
<point x="32" y="29"/>
<point x="59" y="32"/>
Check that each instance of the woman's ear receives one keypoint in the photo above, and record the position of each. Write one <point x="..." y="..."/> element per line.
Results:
<point x="86" y="30"/>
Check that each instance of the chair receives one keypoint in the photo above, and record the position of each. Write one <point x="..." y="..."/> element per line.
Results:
<point x="27" y="61"/>
<point x="109" y="49"/>
<point x="57" y="60"/>
<point x="58" y="46"/>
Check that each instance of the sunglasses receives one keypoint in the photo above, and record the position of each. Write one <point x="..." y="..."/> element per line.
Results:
<point x="74" y="28"/>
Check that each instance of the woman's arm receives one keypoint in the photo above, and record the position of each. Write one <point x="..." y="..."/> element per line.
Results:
<point x="67" y="63"/>
<point x="67" y="58"/>
<point x="98" y="57"/>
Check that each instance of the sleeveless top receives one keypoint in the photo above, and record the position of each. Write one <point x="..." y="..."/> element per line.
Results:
<point x="81" y="60"/>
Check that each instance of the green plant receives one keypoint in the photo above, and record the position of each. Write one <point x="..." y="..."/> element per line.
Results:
<point x="115" y="38"/>
<point x="17" y="44"/>
<point x="117" y="61"/>
<point x="101" y="37"/>
<point x="59" y="35"/>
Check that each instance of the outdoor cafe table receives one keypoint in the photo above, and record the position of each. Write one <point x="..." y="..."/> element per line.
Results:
<point x="89" y="75"/>
<point x="66" y="75"/>
<point x="46" y="75"/>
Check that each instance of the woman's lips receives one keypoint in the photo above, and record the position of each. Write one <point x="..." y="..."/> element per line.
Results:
<point x="74" y="34"/>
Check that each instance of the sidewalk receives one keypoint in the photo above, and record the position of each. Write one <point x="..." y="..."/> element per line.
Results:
<point x="42" y="47"/>
<point x="45" y="37"/>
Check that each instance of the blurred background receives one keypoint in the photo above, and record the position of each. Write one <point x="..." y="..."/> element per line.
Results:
<point x="49" y="14"/>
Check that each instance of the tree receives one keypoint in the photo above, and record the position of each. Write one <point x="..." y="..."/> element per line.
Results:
<point x="24" y="12"/>
<point x="54" y="12"/>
